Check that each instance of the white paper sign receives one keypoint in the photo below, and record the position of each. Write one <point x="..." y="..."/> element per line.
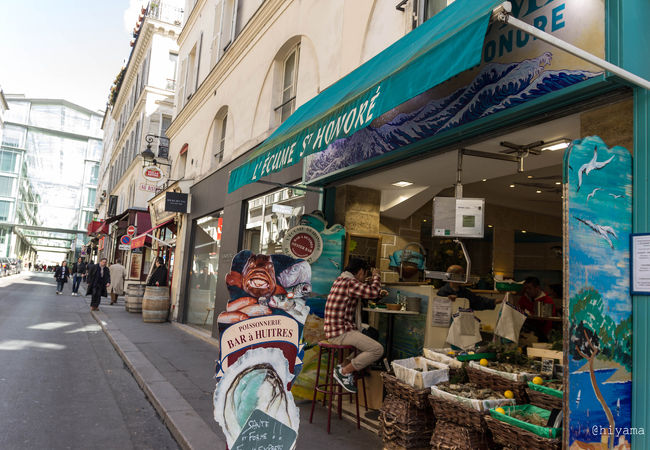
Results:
<point x="469" y="217"/>
<point x="640" y="264"/>
<point x="441" y="312"/>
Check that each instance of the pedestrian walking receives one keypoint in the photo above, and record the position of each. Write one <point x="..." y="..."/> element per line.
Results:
<point x="30" y="266"/>
<point x="99" y="280"/>
<point x="61" y="275"/>
<point x="78" y="273"/>
<point x="118" y="275"/>
<point x="159" y="274"/>
<point x="89" y="267"/>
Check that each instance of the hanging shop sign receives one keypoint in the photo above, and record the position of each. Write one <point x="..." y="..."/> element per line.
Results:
<point x="303" y="242"/>
<point x="515" y="69"/>
<point x="176" y="202"/>
<point x="152" y="173"/>
<point x="130" y="231"/>
<point x="260" y="347"/>
<point x="598" y="347"/>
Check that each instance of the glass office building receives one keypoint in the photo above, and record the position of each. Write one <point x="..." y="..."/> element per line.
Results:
<point x="49" y="166"/>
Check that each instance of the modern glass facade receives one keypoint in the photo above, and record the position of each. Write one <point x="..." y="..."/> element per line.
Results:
<point x="49" y="166"/>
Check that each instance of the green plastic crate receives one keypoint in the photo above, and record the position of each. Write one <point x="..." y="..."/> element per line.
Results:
<point x="476" y="356"/>
<point x="508" y="287"/>
<point x="544" y="432"/>
<point x="545" y="389"/>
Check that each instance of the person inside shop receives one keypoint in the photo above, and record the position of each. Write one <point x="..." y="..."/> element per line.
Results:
<point x="454" y="290"/>
<point x="531" y="295"/>
<point x="341" y="319"/>
<point x="159" y="275"/>
<point x="204" y="279"/>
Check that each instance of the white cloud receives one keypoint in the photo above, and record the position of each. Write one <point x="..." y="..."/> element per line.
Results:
<point x="131" y="14"/>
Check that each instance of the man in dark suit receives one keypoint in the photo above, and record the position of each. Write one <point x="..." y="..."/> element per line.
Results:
<point x="99" y="279"/>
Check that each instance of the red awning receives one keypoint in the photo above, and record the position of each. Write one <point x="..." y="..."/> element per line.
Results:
<point x="139" y="240"/>
<point x="184" y="149"/>
<point x="97" y="227"/>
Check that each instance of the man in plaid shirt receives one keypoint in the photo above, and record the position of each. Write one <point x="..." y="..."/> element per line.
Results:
<point x="342" y="323"/>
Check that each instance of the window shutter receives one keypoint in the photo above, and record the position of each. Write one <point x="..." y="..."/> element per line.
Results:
<point x="198" y="61"/>
<point x="216" y="34"/>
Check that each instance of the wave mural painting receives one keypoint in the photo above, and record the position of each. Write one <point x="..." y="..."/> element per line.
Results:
<point x="497" y="87"/>
<point x="598" y="338"/>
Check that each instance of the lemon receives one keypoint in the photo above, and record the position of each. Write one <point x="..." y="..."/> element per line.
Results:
<point x="451" y="353"/>
<point x="538" y="380"/>
<point x="508" y="394"/>
<point x="470" y="352"/>
<point x="500" y="410"/>
<point x="483" y="362"/>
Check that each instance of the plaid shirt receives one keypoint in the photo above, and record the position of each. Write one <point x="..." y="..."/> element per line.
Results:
<point x="341" y="306"/>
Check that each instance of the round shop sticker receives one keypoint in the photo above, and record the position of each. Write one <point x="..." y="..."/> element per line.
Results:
<point x="303" y="242"/>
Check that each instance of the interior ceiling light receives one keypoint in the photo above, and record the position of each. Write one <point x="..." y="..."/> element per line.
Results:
<point x="530" y="176"/>
<point x="558" y="144"/>
<point x="523" y="231"/>
<point x="512" y="185"/>
<point x="558" y="183"/>
<point x="484" y="179"/>
<point x="402" y="183"/>
<point x="490" y="226"/>
<point x="538" y="191"/>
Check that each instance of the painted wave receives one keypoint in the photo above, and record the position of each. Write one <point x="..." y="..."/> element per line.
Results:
<point x="496" y="88"/>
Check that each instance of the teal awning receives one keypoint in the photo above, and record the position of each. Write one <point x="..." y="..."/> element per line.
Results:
<point x="442" y="47"/>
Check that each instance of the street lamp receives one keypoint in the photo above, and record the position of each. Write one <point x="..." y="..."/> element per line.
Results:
<point x="148" y="155"/>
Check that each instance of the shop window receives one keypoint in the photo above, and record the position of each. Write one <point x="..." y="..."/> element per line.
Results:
<point x="202" y="279"/>
<point x="289" y="83"/>
<point x="269" y="217"/>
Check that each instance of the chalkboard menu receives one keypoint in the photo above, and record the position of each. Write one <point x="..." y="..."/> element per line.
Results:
<point x="264" y="432"/>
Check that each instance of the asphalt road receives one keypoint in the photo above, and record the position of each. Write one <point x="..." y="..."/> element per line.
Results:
<point x="62" y="385"/>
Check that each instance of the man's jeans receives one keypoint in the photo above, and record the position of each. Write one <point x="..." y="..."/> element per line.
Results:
<point x="76" y="281"/>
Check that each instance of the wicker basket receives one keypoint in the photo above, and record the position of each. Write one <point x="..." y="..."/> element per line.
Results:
<point x="543" y="400"/>
<point x="511" y="436"/>
<point x="450" y="436"/>
<point x="455" y="412"/>
<point x="406" y="436"/>
<point x="401" y="411"/>
<point x="498" y="383"/>
<point x="417" y="397"/>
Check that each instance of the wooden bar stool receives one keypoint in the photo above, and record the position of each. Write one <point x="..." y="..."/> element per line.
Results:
<point x="331" y="386"/>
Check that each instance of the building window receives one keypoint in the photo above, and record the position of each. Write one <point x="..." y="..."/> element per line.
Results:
<point x="219" y="133"/>
<point x="205" y="269"/>
<point x="5" y="210"/>
<point x="91" y="193"/>
<point x="171" y="71"/>
<point x="289" y="82"/>
<point x="13" y="136"/>
<point x="429" y="8"/>
<point x="8" y="160"/>
<point x="6" y="186"/>
<point x="163" y="144"/>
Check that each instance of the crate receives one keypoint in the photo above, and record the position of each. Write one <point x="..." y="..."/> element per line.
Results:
<point x="432" y="372"/>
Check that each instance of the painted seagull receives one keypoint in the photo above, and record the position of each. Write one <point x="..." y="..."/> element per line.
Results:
<point x="591" y="165"/>
<point x="606" y="232"/>
<point x="617" y="195"/>
<point x="594" y="193"/>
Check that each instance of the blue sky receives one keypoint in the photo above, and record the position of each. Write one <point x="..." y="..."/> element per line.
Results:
<point x="69" y="49"/>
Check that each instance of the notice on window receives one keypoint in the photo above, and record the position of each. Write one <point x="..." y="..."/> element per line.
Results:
<point x="640" y="264"/>
<point x="441" y="312"/>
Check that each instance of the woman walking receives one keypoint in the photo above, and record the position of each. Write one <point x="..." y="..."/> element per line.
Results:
<point x="61" y="275"/>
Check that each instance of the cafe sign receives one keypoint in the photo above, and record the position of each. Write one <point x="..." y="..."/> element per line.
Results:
<point x="152" y="173"/>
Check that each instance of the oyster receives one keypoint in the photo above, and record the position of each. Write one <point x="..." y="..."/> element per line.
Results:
<point x="257" y="380"/>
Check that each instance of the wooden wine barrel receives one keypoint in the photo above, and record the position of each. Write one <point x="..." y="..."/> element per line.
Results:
<point x="155" y="304"/>
<point x="134" y="293"/>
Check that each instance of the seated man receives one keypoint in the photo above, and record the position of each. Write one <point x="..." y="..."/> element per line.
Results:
<point x="455" y="290"/>
<point x="341" y="321"/>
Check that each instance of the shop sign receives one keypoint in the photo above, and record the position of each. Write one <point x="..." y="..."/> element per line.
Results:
<point x="303" y="242"/>
<point x="152" y="173"/>
<point x="260" y="348"/>
<point x="147" y="187"/>
<point x="130" y="231"/>
<point x="598" y="319"/>
<point x="176" y="202"/>
<point x="139" y="241"/>
<point x="100" y="245"/>
<point x="516" y="69"/>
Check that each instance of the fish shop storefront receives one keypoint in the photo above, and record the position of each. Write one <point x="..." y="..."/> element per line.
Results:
<point x="515" y="162"/>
